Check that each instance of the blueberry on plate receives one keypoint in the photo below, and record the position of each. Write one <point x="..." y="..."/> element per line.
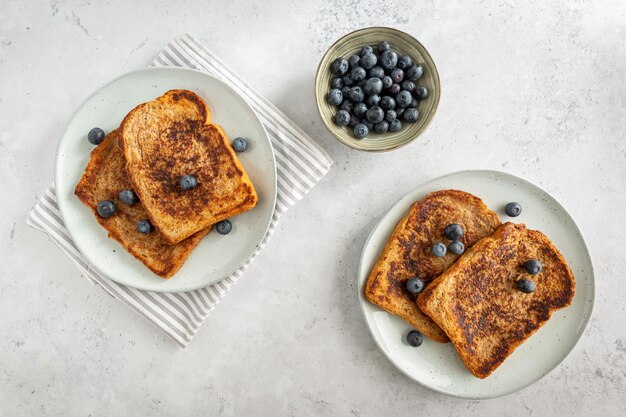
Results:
<point x="240" y="144"/>
<point x="411" y="115"/>
<point x="420" y="92"/>
<point x="340" y="66"/>
<point x="533" y="266"/>
<point x="144" y="226"/>
<point x="188" y="182"/>
<point x="387" y="81"/>
<point x="390" y="115"/>
<point x="360" y="131"/>
<point x="377" y="72"/>
<point x="354" y="60"/>
<point x="513" y="209"/>
<point x="370" y="126"/>
<point x="345" y="90"/>
<point x="366" y="50"/>
<point x="453" y="231"/>
<point x="373" y="86"/>
<point x="335" y="97"/>
<point x="381" y="127"/>
<point x="395" y="125"/>
<point x="368" y="61"/>
<point x="456" y="247"/>
<point x="413" y="104"/>
<point x="357" y="74"/>
<point x="224" y="227"/>
<point x="128" y="197"/>
<point x="438" y="250"/>
<point x="375" y="114"/>
<point x="526" y="285"/>
<point x="405" y="62"/>
<point x="347" y="81"/>
<point x="106" y="208"/>
<point x="347" y="105"/>
<point x="397" y="75"/>
<point x="353" y="120"/>
<point x="360" y="109"/>
<point x="372" y="100"/>
<point x="403" y="99"/>
<point x="336" y="82"/>
<point x="395" y="89"/>
<point x="399" y="111"/>
<point x="95" y="136"/>
<point x="387" y="103"/>
<point x="415" y="285"/>
<point x="342" y="118"/>
<point x="414" y="338"/>
<point x="356" y="94"/>
<point x="414" y="73"/>
<point x="388" y="59"/>
<point x="408" y="85"/>
<point x="383" y="46"/>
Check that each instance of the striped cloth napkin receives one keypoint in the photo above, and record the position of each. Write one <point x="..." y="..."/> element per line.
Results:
<point x="301" y="163"/>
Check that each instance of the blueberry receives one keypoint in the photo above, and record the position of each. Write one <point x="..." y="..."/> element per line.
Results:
<point x="357" y="74"/>
<point x="353" y="120"/>
<point x="342" y="118"/>
<point x="391" y="115"/>
<point x="347" y="81"/>
<point x="224" y="227"/>
<point x="340" y="66"/>
<point x="397" y="75"/>
<point x="336" y="82"/>
<point x="373" y="86"/>
<point x="413" y="104"/>
<point x="368" y="125"/>
<point x="354" y="60"/>
<point x="388" y="59"/>
<point x="377" y="72"/>
<point x="106" y="208"/>
<point x="387" y="103"/>
<point x="95" y="136"/>
<point x="395" y="125"/>
<point x="128" y="197"/>
<point x="387" y="81"/>
<point x="395" y="89"/>
<point x="188" y="182"/>
<point x="366" y="50"/>
<point x="526" y="285"/>
<point x="240" y="144"/>
<point x="414" y="73"/>
<point x="383" y="46"/>
<point x="360" y="109"/>
<point x="345" y="90"/>
<point x="414" y="338"/>
<point x="356" y="94"/>
<point x="408" y="85"/>
<point x="368" y="61"/>
<point x="415" y="285"/>
<point x="456" y="247"/>
<point x="533" y="266"/>
<point x="420" y="92"/>
<point x="335" y="97"/>
<point x="513" y="209"/>
<point x="399" y="111"/>
<point x="360" y="83"/>
<point x="144" y="226"/>
<point x="405" y="62"/>
<point x="438" y="250"/>
<point x="360" y="131"/>
<point x="347" y="105"/>
<point x="372" y="100"/>
<point x="411" y="115"/>
<point x="403" y="98"/>
<point x="381" y="127"/>
<point x="453" y="231"/>
<point x="375" y="114"/>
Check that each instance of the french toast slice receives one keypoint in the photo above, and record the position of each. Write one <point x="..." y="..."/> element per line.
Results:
<point x="103" y="179"/>
<point x="477" y="304"/>
<point x="408" y="254"/>
<point x="169" y="137"/>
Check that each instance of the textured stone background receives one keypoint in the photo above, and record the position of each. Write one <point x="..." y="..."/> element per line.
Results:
<point x="535" y="90"/>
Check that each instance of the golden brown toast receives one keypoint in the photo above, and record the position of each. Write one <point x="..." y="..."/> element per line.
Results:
<point x="103" y="179"/>
<point x="407" y="253"/>
<point x="169" y="137"/>
<point x="476" y="301"/>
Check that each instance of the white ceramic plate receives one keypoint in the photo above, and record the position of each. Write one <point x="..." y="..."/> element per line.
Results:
<point x="216" y="256"/>
<point x="438" y="366"/>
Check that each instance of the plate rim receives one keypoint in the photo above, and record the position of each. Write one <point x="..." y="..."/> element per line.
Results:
<point x="63" y="208"/>
<point x="362" y="299"/>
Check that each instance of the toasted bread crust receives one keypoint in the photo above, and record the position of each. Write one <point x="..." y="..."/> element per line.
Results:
<point x="477" y="304"/>
<point x="408" y="252"/>
<point x="169" y="137"/>
<point x="103" y="179"/>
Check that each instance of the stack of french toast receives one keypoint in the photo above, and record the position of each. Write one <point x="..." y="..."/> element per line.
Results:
<point x="180" y="172"/>
<point x="485" y="300"/>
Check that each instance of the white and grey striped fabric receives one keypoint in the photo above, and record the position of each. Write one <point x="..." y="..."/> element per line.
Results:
<point x="301" y="163"/>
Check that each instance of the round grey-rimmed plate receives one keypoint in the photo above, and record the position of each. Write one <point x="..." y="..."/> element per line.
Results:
<point x="438" y="366"/>
<point x="216" y="256"/>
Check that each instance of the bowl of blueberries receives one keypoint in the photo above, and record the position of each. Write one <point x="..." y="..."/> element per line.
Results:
<point x="377" y="89"/>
